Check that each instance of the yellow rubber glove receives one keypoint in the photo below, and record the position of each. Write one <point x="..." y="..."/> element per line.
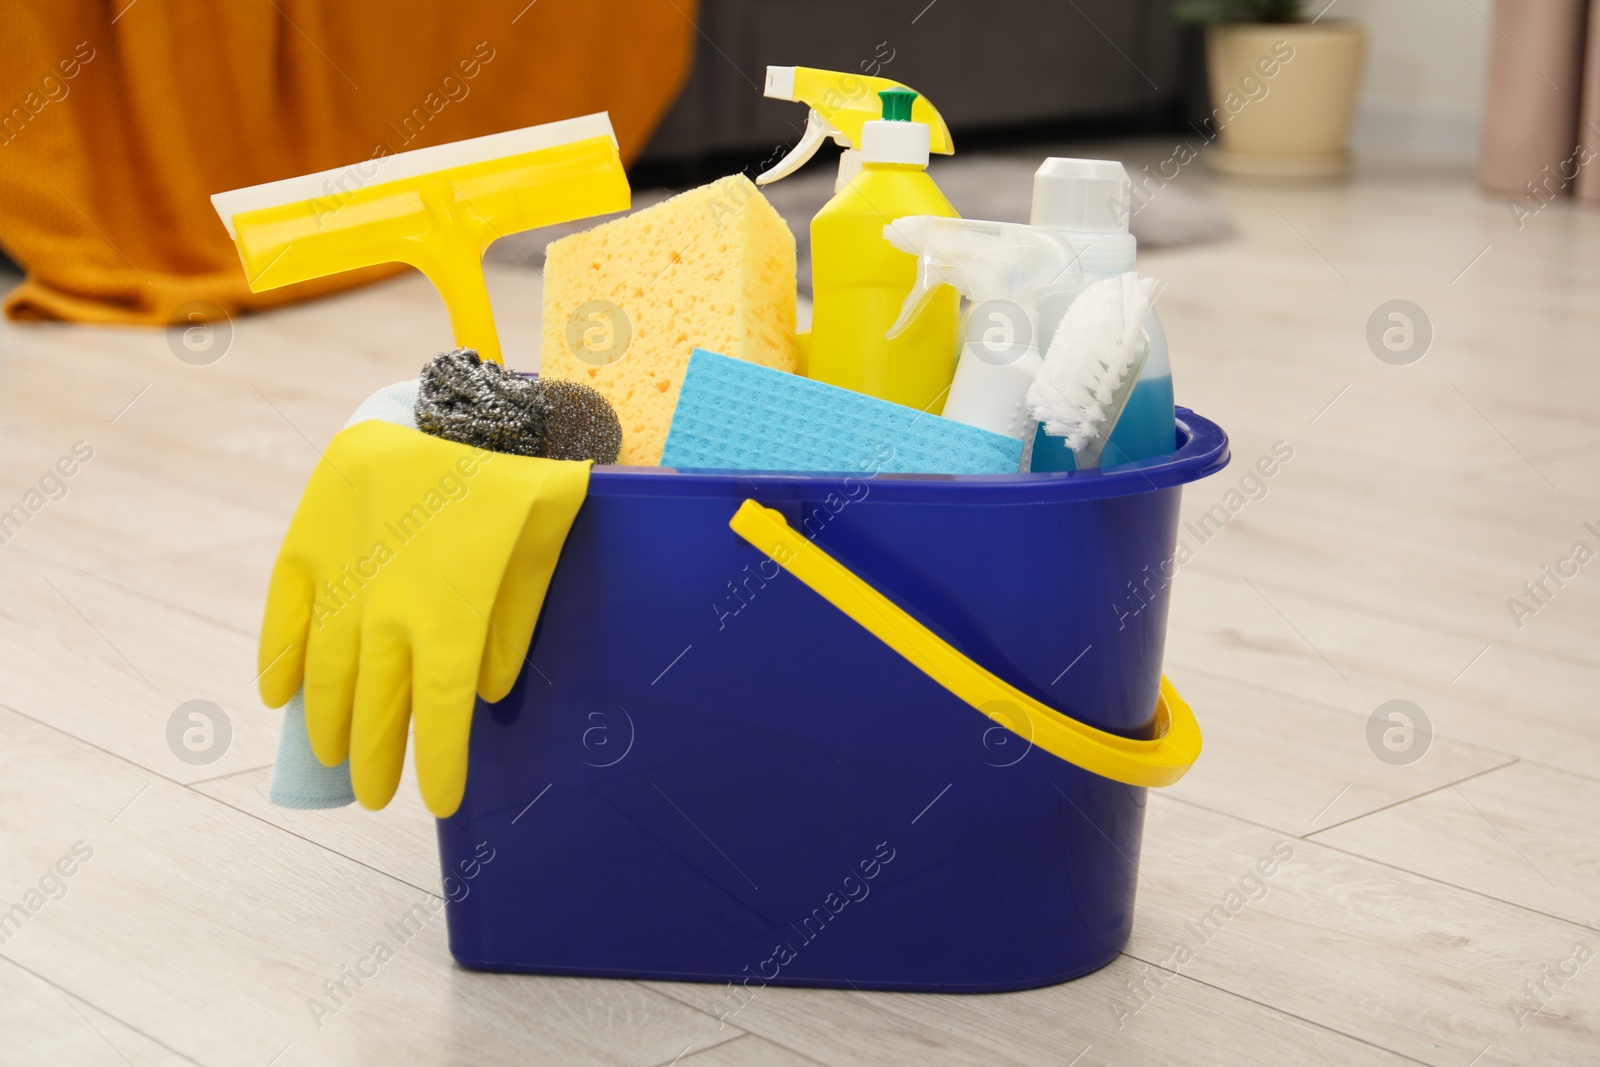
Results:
<point x="411" y="579"/>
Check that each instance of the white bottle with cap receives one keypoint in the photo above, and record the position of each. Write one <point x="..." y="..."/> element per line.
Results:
<point x="1088" y="201"/>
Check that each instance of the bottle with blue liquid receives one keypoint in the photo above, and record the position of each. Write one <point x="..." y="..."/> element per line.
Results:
<point x="1088" y="201"/>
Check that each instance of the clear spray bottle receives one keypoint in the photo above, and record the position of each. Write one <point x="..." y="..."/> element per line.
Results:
<point x="1004" y="269"/>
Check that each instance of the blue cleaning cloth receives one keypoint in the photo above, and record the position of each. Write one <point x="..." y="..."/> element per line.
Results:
<point x="299" y="780"/>
<point x="733" y="415"/>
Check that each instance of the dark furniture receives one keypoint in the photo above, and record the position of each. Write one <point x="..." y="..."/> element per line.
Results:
<point x="987" y="64"/>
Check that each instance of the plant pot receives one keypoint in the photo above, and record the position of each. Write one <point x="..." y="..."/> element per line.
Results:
<point x="1283" y="95"/>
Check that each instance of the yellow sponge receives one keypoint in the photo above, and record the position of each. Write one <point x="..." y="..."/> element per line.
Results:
<point x="626" y="303"/>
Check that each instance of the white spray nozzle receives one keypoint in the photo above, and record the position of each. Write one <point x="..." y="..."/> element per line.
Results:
<point x="818" y="129"/>
<point x="780" y="83"/>
<point x="981" y="260"/>
<point x="841" y="104"/>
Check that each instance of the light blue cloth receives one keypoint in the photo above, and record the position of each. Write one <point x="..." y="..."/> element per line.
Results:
<point x="299" y="780"/>
<point x="733" y="415"/>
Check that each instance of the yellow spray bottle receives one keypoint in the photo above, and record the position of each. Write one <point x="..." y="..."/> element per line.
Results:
<point x="858" y="279"/>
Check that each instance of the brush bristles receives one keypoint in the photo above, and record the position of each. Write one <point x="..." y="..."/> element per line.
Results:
<point x="1080" y="391"/>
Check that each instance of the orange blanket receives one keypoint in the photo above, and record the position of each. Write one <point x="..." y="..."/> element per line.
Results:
<point x="119" y="118"/>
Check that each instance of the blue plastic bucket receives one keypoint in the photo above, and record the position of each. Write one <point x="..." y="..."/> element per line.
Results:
<point x="708" y="773"/>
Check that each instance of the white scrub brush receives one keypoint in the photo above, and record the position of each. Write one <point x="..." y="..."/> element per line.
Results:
<point x="1092" y="365"/>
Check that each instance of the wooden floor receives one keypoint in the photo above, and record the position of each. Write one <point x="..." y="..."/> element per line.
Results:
<point x="1442" y="903"/>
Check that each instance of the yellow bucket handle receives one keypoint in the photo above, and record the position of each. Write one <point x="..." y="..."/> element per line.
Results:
<point x="1143" y="763"/>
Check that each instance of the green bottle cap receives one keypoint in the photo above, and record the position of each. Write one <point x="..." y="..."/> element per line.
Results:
<point x="897" y="104"/>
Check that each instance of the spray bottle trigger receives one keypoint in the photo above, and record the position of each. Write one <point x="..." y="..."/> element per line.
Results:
<point x="928" y="280"/>
<point x="908" y="235"/>
<point x="817" y="130"/>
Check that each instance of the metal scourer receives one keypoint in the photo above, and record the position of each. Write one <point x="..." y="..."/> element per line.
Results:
<point x="463" y="399"/>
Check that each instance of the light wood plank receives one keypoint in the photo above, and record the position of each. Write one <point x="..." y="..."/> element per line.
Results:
<point x="107" y="514"/>
<point x="1524" y="834"/>
<point x="113" y="668"/>
<point x="1409" y="964"/>
<point x="746" y="1051"/>
<point x="1418" y="568"/>
<point x="1083" y="1018"/>
<point x="218" y="935"/>
<point x="1298" y="767"/>
<point x="46" y="1024"/>
<point x="399" y="840"/>
<point x="225" y="584"/>
<point x="1513" y="701"/>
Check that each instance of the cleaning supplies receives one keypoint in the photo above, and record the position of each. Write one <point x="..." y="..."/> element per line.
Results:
<point x="626" y="301"/>
<point x="841" y="104"/>
<point x="1092" y="367"/>
<point x="299" y="779"/>
<point x="734" y="415"/>
<point x="435" y="208"/>
<point x="408" y="584"/>
<point x="1089" y="201"/>
<point x="1004" y="269"/>
<point x="465" y="400"/>
<point x="858" y="279"/>
<point x="378" y="621"/>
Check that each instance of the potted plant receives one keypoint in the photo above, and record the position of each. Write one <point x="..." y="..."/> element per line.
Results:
<point x="1283" y="89"/>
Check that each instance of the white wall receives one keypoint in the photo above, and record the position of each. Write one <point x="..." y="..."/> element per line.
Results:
<point x="1425" y="70"/>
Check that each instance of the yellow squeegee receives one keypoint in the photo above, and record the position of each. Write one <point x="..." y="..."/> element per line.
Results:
<point x="435" y="208"/>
